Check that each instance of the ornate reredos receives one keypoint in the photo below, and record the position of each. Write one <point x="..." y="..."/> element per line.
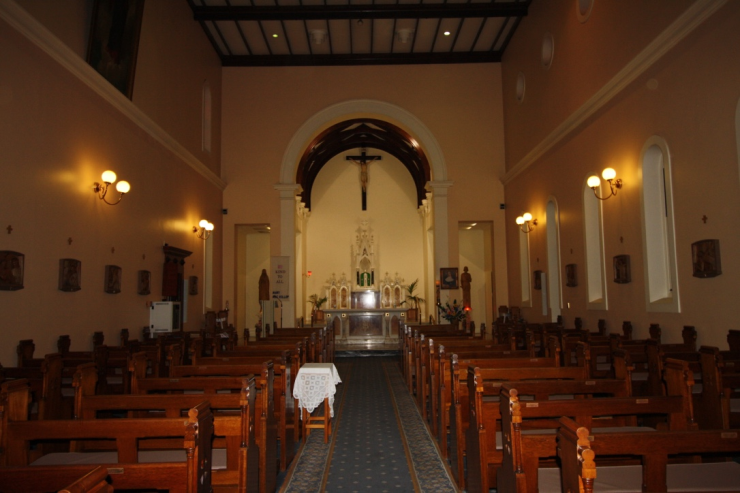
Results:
<point x="364" y="258"/>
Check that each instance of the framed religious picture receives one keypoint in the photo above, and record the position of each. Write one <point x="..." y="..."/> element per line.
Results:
<point x="705" y="258"/>
<point x="114" y="41"/>
<point x="11" y="270"/>
<point x="537" y="279"/>
<point x="70" y="274"/>
<point x="448" y="278"/>
<point x="143" y="281"/>
<point x="112" y="279"/>
<point x="193" y="285"/>
<point x="622" y="270"/>
<point x="570" y="276"/>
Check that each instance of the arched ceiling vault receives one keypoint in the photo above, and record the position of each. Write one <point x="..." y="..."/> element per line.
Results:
<point x="366" y="133"/>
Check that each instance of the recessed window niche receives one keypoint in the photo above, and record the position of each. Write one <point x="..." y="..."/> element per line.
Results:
<point x="583" y="9"/>
<point x="548" y="50"/>
<point x="520" y="86"/>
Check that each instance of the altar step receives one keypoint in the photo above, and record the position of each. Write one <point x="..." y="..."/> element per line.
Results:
<point x="357" y="348"/>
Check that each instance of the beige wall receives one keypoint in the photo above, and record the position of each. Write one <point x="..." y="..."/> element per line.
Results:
<point x="57" y="136"/>
<point x="692" y="108"/>
<point x="265" y="107"/>
<point x="336" y="213"/>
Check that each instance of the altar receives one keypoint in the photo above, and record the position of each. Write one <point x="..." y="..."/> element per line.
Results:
<point x="363" y="307"/>
<point x="366" y="324"/>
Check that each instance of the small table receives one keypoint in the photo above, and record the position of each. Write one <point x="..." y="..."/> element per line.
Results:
<point x="314" y="384"/>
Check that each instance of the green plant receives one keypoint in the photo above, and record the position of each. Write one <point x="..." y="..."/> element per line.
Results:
<point x="411" y="297"/>
<point x="316" y="301"/>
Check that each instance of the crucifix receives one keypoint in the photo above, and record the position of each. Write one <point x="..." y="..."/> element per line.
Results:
<point x="363" y="160"/>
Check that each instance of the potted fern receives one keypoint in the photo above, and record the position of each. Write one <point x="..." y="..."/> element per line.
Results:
<point x="412" y="314"/>
<point x="316" y="313"/>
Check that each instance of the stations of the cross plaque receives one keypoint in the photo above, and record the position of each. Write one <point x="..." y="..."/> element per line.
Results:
<point x="363" y="160"/>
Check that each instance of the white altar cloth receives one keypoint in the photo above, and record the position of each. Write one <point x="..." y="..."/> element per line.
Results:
<point x="314" y="383"/>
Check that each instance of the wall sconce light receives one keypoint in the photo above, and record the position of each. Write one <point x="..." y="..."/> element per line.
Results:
<point x="526" y="223"/>
<point x="203" y="230"/>
<point x="109" y="178"/>
<point x="609" y="175"/>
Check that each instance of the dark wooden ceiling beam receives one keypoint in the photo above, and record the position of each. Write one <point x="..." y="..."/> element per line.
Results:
<point x="359" y="59"/>
<point x="318" y="12"/>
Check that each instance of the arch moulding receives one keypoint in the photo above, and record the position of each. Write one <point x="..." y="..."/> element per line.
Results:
<point x="350" y="109"/>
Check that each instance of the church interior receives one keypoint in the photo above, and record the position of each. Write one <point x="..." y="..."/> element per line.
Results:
<point x="350" y="170"/>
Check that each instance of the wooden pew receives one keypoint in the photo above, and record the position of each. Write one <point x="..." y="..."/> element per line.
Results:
<point x="191" y="475"/>
<point x="441" y="388"/>
<point x="580" y="449"/>
<point x="92" y="482"/>
<point x="266" y="432"/>
<point x="45" y="385"/>
<point x="288" y="420"/>
<point x="490" y="381"/>
<point x="719" y="393"/>
<point x="242" y="455"/>
<point x="528" y="425"/>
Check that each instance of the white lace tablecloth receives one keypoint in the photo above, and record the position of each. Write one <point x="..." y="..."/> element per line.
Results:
<point x="315" y="382"/>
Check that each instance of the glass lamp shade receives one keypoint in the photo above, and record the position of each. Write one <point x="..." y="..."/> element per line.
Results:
<point x="593" y="181"/>
<point x="527" y="217"/>
<point x="520" y="220"/>
<point x="123" y="186"/>
<point x="209" y="227"/>
<point x="109" y="176"/>
<point x="609" y="174"/>
<point x="203" y="223"/>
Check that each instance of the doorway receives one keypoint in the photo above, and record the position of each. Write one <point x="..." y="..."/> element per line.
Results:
<point x="475" y="240"/>
<point x="252" y="255"/>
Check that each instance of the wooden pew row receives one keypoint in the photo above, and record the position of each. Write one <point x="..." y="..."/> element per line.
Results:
<point x="425" y="368"/>
<point x="284" y="404"/>
<point x="441" y="387"/>
<point x="579" y="447"/>
<point x="528" y="426"/>
<point x="266" y="427"/>
<point x="45" y="384"/>
<point x="194" y="434"/>
<point x="410" y="352"/>
<point x="242" y="454"/>
<point x="490" y="381"/>
<point x="324" y="337"/>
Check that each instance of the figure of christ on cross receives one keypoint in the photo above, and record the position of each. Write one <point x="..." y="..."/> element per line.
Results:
<point x="363" y="160"/>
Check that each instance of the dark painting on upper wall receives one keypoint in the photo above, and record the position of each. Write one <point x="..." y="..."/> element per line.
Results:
<point x="114" y="41"/>
<point x="571" y="280"/>
<point x="705" y="258"/>
<point x="70" y="274"/>
<point x="622" y="269"/>
<point x="112" y="279"/>
<point x="11" y="270"/>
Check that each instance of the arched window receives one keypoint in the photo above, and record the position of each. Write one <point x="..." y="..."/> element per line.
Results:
<point x="208" y="274"/>
<point x="659" y="244"/>
<point x="594" y="238"/>
<point x="206" y="118"/>
<point x="524" y="268"/>
<point x="553" y="259"/>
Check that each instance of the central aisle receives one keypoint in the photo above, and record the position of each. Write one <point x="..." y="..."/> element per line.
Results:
<point x="380" y="442"/>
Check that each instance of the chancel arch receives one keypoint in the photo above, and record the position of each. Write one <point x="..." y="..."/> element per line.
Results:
<point x="436" y="174"/>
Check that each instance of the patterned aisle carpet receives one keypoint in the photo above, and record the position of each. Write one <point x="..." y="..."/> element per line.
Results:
<point x="380" y="442"/>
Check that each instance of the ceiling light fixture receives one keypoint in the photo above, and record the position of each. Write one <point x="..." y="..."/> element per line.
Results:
<point x="609" y="175"/>
<point x="446" y="33"/>
<point x="109" y="178"/>
<point x="526" y="223"/>
<point x="318" y="35"/>
<point x="404" y="34"/>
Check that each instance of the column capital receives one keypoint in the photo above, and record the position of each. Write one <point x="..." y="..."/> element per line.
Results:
<point x="288" y="190"/>
<point x="439" y="188"/>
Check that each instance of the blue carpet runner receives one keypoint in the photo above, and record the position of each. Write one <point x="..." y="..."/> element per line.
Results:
<point x="380" y="442"/>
